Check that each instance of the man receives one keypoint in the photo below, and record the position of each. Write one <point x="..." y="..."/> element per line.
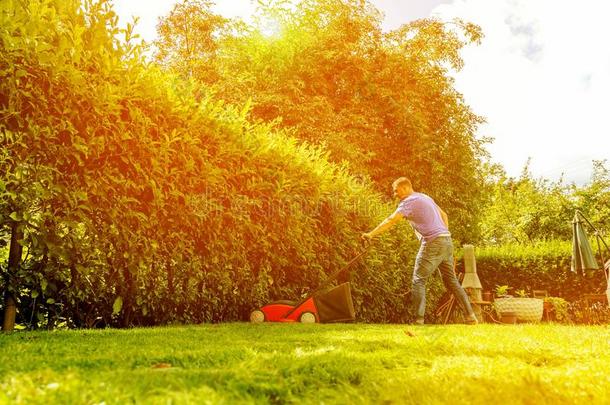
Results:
<point x="431" y="226"/>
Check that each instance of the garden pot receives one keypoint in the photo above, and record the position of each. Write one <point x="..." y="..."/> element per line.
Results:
<point x="508" y="317"/>
<point x="547" y="309"/>
<point x="487" y="296"/>
<point x="527" y="309"/>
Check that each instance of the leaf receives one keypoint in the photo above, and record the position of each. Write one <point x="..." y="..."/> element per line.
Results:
<point x="15" y="216"/>
<point x="247" y="107"/>
<point x="50" y="301"/>
<point x="117" y="306"/>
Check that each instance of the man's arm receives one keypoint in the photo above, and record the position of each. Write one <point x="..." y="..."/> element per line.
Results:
<point x="384" y="225"/>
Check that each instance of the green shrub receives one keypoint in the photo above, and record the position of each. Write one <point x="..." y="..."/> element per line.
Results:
<point x="141" y="205"/>
<point x="581" y="312"/>
<point x="559" y="308"/>
<point x="539" y="266"/>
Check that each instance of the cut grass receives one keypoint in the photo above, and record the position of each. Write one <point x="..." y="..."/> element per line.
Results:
<point x="295" y="363"/>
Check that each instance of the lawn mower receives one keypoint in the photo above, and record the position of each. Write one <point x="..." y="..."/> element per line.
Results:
<point x="332" y="305"/>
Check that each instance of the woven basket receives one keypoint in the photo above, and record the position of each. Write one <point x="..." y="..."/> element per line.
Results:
<point x="527" y="309"/>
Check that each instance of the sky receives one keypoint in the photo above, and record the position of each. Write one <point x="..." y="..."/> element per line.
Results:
<point x="541" y="77"/>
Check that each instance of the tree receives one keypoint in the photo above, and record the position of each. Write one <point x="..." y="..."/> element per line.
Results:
<point x="593" y="199"/>
<point x="188" y="39"/>
<point x="383" y="103"/>
<point x="527" y="209"/>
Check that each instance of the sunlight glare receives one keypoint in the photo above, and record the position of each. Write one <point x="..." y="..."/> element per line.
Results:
<point x="271" y="28"/>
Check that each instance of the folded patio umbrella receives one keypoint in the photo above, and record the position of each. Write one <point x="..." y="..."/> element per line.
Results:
<point x="582" y="254"/>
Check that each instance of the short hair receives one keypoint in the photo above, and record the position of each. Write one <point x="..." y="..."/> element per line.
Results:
<point x="402" y="181"/>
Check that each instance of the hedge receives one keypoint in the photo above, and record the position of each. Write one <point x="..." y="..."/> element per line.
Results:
<point x="138" y="202"/>
<point x="536" y="266"/>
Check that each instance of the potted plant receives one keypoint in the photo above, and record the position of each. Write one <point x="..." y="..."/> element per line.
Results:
<point x="521" y="293"/>
<point x="502" y="291"/>
<point x="508" y="317"/>
<point x="558" y="307"/>
<point x="526" y="309"/>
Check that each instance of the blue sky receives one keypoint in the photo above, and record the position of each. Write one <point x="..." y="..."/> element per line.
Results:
<point x="541" y="77"/>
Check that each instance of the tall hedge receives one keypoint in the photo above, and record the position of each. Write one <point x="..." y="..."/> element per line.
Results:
<point x="539" y="266"/>
<point x="383" y="101"/>
<point x="138" y="204"/>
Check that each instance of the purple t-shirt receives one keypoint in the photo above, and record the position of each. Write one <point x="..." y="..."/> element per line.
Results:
<point x="424" y="216"/>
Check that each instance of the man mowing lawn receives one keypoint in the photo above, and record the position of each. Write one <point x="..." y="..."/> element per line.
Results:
<point x="431" y="226"/>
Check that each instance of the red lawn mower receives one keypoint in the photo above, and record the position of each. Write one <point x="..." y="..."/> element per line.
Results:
<point x="333" y="305"/>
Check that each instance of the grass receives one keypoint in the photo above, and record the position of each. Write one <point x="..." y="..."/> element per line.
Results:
<point x="295" y="363"/>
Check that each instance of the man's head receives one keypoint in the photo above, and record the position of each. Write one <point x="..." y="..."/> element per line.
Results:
<point x="402" y="187"/>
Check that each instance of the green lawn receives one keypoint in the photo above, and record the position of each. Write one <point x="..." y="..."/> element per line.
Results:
<point x="295" y="363"/>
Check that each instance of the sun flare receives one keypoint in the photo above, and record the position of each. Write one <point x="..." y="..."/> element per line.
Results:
<point x="271" y="28"/>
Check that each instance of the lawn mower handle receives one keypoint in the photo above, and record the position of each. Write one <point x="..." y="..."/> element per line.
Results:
<point x="336" y="273"/>
<point x="366" y="245"/>
<point x="330" y="278"/>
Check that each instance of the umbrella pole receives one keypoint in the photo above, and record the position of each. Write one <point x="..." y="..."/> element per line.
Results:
<point x="601" y="252"/>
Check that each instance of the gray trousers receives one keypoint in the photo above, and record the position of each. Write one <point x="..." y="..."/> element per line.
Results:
<point x="437" y="253"/>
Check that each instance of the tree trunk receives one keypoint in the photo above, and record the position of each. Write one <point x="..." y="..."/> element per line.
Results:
<point x="10" y="312"/>
<point x="14" y="259"/>
<point x="128" y="296"/>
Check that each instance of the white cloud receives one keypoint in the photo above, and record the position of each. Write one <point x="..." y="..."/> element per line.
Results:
<point x="542" y="80"/>
<point x="236" y="8"/>
<point x="399" y="12"/>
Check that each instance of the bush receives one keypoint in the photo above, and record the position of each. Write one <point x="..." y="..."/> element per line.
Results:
<point x="141" y="205"/>
<point x="539" y="266"/>
<point x="559" y="309"/>
<point x="589" y="314"/>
